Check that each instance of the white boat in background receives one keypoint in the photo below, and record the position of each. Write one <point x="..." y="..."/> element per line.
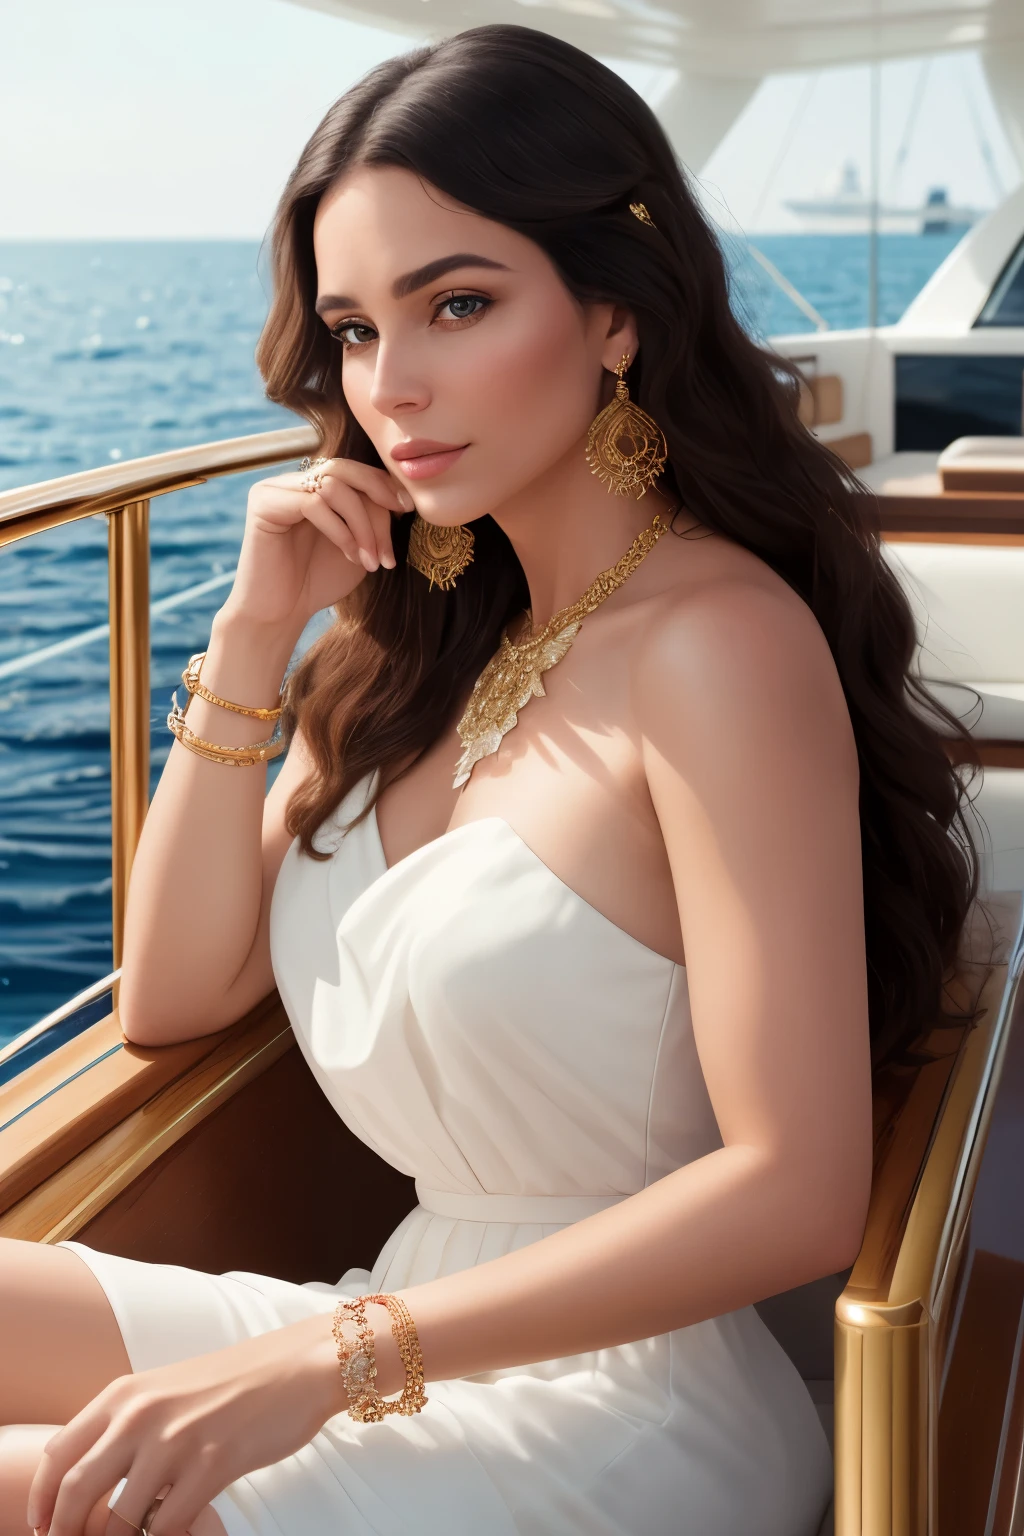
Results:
<point x="201" y="1153"/>
<point x="842" y="207"/>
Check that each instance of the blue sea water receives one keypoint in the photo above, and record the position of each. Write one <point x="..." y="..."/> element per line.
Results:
<point x="114" y="351"/>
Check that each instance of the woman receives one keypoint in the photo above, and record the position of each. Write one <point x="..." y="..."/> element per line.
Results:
<point x="611" y="990"/>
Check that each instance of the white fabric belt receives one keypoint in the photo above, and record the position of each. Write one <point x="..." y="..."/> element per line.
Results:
<point x="555" y="1209"/>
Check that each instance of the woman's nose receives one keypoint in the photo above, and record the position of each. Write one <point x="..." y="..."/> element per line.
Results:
<point x="397" y="385"/>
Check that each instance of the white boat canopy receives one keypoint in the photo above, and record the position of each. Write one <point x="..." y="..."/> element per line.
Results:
<point x="722" y="49"/>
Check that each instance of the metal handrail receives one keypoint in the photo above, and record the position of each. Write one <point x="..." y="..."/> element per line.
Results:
<point x="64" y="1011"/>
<point x="889" y="1318"/>
<point x="33" y="508"/>
<point x="123" y="493"/>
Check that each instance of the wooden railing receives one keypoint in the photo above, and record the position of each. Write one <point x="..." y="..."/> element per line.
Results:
<point x="122" y="492"/>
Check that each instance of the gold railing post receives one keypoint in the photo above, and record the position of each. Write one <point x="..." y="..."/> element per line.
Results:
<point x="885" y="1423"/>
<point x="128" y="587"/>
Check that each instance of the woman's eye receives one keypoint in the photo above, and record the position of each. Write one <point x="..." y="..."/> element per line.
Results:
<point x="455" y="310"/>
<point x="462" y="306"/>
<point x="353" y="333"/>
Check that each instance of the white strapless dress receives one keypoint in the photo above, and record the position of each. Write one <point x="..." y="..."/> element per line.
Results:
<point x="488" y="1031"/>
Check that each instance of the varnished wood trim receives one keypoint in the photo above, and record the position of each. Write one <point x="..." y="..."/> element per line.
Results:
<point x="856" y="450"/>
<point x="821" y="400"/>
<point x="963" y="476"/>
<point x="952" y="512"/>
<point x="61" y="1104"/>
<point x="85" y="1184"/>
<point x="991" y="754"/>
<point x="255" y="1187"/>
<point x="922" y="536"/>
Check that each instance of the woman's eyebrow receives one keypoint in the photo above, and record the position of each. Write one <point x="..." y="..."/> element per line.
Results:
<point x="403" y="286"/>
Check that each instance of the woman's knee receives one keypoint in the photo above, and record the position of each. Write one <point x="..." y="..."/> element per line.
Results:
<point x="59" y="1339"/>
<point x="21" y="1446"/>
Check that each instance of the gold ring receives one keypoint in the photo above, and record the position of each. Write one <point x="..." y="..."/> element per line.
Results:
<point x="313" y="471"/>
<point x="150" y="1512"/>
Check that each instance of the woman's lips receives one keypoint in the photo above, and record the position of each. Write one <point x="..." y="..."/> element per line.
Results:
<point x="423" y="466"/>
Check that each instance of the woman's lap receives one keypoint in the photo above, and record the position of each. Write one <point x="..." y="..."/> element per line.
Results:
<point x="637" y="1438"/>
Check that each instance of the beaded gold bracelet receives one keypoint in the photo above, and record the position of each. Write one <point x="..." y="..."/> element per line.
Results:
<point x="190" y="677"/>
<point x="404" y="1330"/>
<point x="358" y="1363"/>
<point x="235" y="757"/>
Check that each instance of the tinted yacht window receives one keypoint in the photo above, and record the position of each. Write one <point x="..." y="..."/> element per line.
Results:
<point x="942" y="397"/>
<point x="1005" y="304"/>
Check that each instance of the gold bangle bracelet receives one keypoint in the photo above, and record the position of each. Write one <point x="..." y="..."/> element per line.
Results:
<point x="235" y="757"/>
<point x="404" y="1330"/>
<point x="190" y="677"/>
<point x="359" y="1366"/>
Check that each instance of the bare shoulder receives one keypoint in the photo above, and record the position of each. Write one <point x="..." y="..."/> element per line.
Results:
<point x="731" y="644"/>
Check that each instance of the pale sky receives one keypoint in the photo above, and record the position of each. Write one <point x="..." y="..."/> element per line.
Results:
<point x="124" y="119"/>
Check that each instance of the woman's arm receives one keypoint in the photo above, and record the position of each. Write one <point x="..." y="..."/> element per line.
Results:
<point x="210" y="850"/>
<point x="211" y="847"/>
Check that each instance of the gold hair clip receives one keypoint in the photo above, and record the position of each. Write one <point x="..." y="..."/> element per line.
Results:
<point x="640" y="212"/>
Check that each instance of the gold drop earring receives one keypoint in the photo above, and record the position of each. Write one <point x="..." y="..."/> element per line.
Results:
<point x="625" y="447"/>
<point x="441" y="554"/>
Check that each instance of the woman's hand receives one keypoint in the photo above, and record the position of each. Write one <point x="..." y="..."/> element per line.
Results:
<point x="304" y="550"/>
<point x="197" y="1425"/>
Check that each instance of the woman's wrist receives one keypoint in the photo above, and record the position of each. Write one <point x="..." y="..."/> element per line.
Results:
<point x="390" y="1377"/>
<point x="253" y="645"/>
<point x="245" y="665"/>
<point x="246" y="661"/>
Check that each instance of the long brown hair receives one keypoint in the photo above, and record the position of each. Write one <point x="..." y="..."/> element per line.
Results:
<point x="535" y="134"/>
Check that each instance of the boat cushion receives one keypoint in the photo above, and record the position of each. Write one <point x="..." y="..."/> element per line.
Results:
<point x="983" y="464"/>
<point x="996" y="815"/>
<point x="967" y="602"/>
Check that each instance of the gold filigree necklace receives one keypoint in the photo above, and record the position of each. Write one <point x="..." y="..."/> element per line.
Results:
<point x="512" y="677"/>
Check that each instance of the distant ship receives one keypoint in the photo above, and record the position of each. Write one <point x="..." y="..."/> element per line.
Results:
<point x="844" y="208"/>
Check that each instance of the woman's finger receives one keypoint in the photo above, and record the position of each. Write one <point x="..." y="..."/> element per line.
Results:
<point x="367" y="479"/>
<point x="376" y="483"/>
<point x="381" y="520"/>
<point x="60" y="1455"/>
<point x="194" y="1489"/>
<point x="87" y="1481"/>
<point x="327" y="522"/>
<point x="348" y="504"/>
<point x="136" y="1496"/>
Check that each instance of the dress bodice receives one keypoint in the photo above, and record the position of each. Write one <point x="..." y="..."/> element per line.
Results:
<point x="478" y="1023"/>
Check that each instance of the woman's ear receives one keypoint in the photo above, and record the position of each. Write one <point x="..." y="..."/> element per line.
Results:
<point x="621" y="336"/>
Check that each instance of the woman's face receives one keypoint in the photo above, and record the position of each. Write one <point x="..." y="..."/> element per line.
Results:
<point x="467" y="362"/>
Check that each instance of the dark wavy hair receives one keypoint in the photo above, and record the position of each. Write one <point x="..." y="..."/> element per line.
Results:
<point x="537" y="135"/>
